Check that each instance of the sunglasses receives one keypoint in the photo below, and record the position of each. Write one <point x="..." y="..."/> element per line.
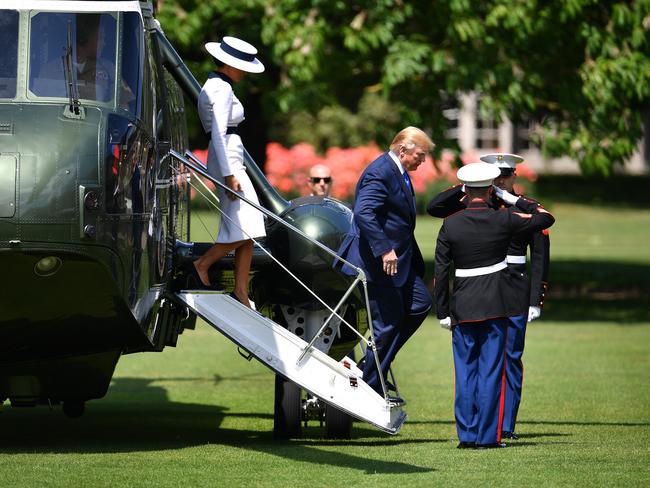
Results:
<point x="326" y="179"/>
<point x="506" y="172"/>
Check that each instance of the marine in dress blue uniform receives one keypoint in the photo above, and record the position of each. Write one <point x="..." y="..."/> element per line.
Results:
<point x="526" y="291"/>
<point x="475" y="241"/>
<point x="381" y="242"/>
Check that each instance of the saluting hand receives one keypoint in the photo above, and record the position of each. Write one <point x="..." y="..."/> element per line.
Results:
<point x="505" y="195"/>
<point x="390" y="262"/>
<point x="233" y="184"/>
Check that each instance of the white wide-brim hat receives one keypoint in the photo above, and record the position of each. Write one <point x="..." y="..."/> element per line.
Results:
<point x="478" y="174"/>
<point x="236" y="53"/>
<point x="502" y="160"/>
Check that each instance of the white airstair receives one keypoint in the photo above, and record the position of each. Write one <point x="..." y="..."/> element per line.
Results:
<point x="336" y="383"/>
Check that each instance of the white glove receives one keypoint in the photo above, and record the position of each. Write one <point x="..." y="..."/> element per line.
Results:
<point x="534" y="313"/>
<point x="446" y="323"/>
<point x="505" y="195"/>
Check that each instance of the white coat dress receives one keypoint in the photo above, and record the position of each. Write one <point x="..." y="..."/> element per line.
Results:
<point x="219" y="109"/>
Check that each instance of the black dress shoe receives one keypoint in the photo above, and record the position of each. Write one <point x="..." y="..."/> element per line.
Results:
<point x="198" y="284"/>
<point x="496" y="445"/>
<point x="233" y="296"/>
<point x="509" y="435"/>
<point x="397" y="401"/>
<point x="390" y="386"/>
<point x="466" y="445"/>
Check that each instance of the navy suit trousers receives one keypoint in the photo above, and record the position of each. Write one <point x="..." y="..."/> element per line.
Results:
<point x="396" y="315"/>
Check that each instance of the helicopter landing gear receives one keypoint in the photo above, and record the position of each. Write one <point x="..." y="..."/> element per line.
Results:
<point x="338" y="424"/>
<point x="292" y="411"/>
<point x="288" y="410"/>
<point x="74" y="408"/>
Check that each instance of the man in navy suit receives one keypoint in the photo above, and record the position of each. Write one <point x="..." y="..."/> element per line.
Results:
<point x="381" y="242"/>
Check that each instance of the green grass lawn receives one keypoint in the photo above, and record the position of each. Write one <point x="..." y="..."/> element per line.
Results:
<point x="200" y="415"/>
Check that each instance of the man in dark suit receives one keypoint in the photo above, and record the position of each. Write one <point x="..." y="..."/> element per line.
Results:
<point x="381" y="242"/>
<point x="475" y="242"/>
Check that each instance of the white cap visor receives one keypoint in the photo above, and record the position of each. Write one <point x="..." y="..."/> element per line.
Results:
<point x="478" y="174"/>
<point x="502" y="160"/>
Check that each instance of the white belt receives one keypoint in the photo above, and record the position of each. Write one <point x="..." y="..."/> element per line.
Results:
<point x="515" y="259"/>
<point x="464" y="273"/>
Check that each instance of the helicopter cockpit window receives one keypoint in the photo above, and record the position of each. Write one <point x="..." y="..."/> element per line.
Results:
<point x="73" y="55"/>
<point x="8" y="52"/>
<point x="132" y="39"/>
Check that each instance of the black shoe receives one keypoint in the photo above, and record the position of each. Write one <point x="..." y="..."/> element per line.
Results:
<point x="496" y="445"/>
<point x="466" y="445"/>
<point x="199" y="285"/>
<point x="252" y="303"/>
<point x="234" y="297"/>
<point x="509" y="435"/>
<point x="396" y="401"/>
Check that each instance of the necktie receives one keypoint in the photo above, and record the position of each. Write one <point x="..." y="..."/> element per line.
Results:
<point x="407" y="180"/>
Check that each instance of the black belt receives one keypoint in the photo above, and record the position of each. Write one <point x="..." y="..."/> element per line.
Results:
<point x="233" y="129"/>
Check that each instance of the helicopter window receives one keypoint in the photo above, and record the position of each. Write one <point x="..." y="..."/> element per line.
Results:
<point x="8" y="53"/>
<point x="131" y="63"/>
<point x="73" y="55"/>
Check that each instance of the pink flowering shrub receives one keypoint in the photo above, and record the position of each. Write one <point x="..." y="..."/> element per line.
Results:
<point x="287" y="169"/>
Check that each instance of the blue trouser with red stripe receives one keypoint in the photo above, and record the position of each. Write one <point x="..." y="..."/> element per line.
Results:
<point x="514" y="370"/>
<point x="479" y="361"/>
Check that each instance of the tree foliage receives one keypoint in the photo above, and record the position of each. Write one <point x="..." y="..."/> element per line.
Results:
<point x="581" y="68"/>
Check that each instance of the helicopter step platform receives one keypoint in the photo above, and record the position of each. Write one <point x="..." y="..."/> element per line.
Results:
<point x="334" y="382"/>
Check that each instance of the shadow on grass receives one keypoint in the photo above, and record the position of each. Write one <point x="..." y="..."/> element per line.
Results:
<point x="594" y="291"/>
<point x="138" y="416"/>
<point x="534" y="435"/>
<point x="578" y="422"/>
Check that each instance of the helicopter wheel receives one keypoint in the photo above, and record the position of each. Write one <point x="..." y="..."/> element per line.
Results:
<point x="287" y="414"/>
<point x="74" y="408"/>
<point x="338" y="424"/>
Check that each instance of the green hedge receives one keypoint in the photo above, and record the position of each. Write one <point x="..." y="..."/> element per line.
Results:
<point x="619" y="190"/>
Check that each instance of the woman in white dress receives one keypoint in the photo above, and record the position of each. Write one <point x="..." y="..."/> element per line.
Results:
<point x="221" y="112"/>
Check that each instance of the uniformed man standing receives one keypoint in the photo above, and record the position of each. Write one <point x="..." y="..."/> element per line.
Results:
<point x="475" y="241"/>
<point x="526" y="295"/>
<point x="527" y="291"/>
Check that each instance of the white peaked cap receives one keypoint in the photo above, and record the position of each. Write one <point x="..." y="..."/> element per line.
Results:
<point x="478" y="174"/>
<point x="236" y="53"/>
<point x="502" y="160"/>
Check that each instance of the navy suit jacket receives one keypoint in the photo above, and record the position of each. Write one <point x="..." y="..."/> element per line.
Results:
<point x="384" y="219"/>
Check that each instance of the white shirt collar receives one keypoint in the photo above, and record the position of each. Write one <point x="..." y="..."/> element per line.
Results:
<point x="397" y="162"/>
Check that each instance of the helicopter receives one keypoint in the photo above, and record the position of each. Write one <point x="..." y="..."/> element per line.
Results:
<point x="95" y="177"/>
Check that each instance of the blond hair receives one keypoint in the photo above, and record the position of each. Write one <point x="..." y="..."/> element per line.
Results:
<point x="410" y="137"/>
